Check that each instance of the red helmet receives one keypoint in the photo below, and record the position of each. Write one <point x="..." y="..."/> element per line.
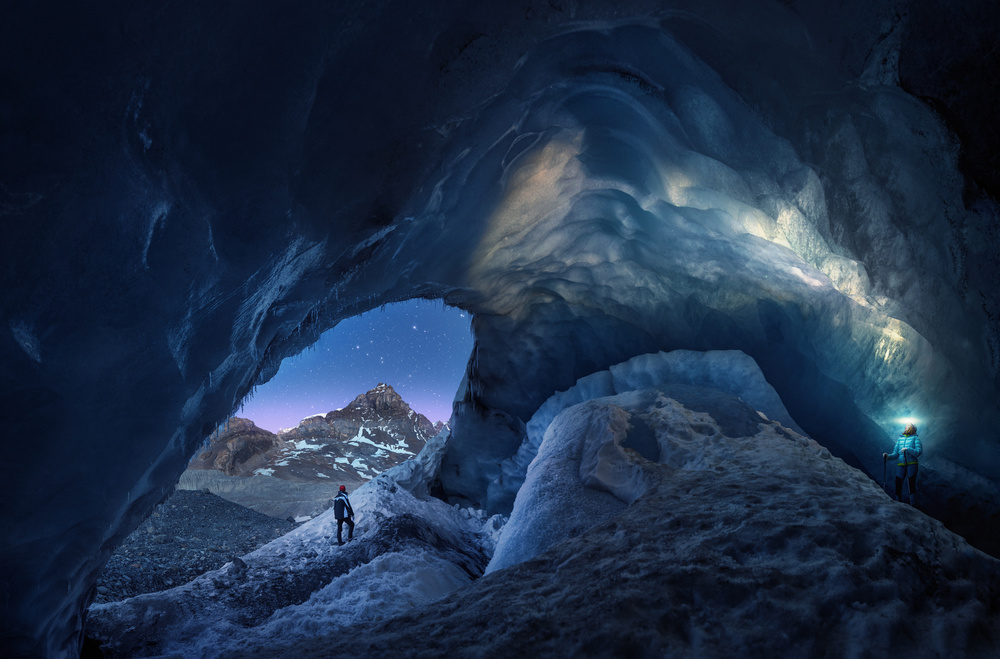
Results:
<point x="343" y="488"/>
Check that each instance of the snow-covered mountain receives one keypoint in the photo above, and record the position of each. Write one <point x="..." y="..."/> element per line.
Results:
<point x="375" y="432"/>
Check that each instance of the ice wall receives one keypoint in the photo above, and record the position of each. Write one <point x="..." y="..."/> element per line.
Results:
<point x="192" y="191"/>
<point x="813" y="223"/>
<point x="729" y="371"/>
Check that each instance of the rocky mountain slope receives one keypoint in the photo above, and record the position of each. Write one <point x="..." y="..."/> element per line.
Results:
<point x="237" y="448"/>
<point x="189" y="534"/>
<point x="376" y="431"/>
<point x="296" y="472"/>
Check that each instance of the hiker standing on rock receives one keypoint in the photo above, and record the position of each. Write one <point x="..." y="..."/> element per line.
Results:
<point x="905" y="453"/>
<point x="344" y="513"/>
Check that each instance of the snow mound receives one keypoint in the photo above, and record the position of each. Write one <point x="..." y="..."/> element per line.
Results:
<point x="596" y="455"/>
<point x="386" y="586"/>
<point x="730" y="371"/>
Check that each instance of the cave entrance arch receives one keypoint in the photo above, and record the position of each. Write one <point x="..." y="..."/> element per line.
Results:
<point x="419" y="347"/>
<point x="366" y="396"/>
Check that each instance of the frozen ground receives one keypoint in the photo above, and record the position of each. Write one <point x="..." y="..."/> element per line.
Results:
<point x="188" y="534"/>
<point x="733" y="537"/>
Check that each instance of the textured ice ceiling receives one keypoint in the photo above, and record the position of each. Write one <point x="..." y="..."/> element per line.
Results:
<point x="192" y="191"/>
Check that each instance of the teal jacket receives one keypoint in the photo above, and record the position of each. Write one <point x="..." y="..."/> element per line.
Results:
<point x="913" y="450"/>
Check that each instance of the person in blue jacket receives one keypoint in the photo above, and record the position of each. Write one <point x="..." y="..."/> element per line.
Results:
<point x="905" y="453"/>
<point x="344" y="513"/>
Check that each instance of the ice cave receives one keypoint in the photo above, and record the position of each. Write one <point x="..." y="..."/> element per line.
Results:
<point x="715" y="252"/>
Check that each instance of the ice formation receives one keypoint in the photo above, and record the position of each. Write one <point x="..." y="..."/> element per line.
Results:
<point x="797" y="555"/>
<point x="193" y="192"/>
<point x="730" y="371"/>
<point x="611" y="550"/>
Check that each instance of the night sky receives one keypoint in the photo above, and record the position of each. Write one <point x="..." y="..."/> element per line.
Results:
<point x="418" y="347"/>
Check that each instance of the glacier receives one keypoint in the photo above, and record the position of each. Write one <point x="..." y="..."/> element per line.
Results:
<point x="192" y="192"/>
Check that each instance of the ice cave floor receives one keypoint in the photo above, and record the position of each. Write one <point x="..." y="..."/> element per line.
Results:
<point x="742" y="538"/>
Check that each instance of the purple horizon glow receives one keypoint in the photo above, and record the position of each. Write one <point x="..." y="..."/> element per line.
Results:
<point x="419" y="347"/>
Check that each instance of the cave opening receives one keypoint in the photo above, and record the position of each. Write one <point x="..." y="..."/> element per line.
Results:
<point x="279" y="461"/>
<point x="364" y="397"/>
<point x="419" y="347"/>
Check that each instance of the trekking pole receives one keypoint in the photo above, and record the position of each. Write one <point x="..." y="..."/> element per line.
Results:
<point x="883" y="471"/>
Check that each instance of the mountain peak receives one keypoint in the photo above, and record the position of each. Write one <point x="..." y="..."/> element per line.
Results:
<point x="383" y="398"/>
<point x="378" y="430"/>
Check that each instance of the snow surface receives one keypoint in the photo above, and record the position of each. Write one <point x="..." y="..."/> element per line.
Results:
<point x="673" y="520"/>
<point x="747" y="539"/>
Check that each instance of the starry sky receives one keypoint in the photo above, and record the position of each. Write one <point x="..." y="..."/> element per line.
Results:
<point x="419" y="347"/>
